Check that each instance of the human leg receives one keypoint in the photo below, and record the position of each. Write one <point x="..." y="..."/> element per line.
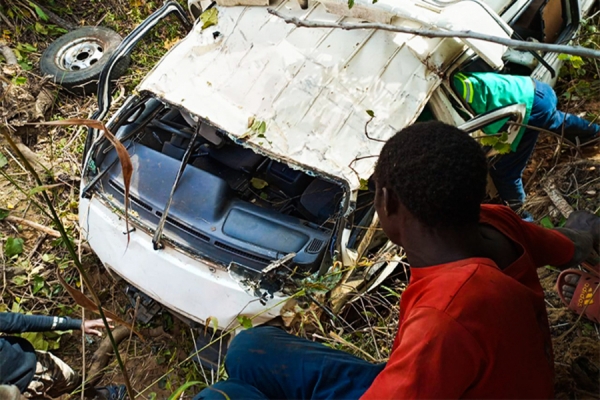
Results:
<point x="230" y="389"/>
<point x="544" y="114"/>
<point x="507" y="172"/>
<point x="283" y="366"/>
<point x="53" y="377"/>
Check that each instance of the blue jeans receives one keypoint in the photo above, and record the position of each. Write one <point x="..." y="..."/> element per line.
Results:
<point x="267" y="363"/>
<point x="507" y="171"/>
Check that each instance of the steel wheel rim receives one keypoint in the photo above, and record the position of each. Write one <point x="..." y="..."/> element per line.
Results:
<point x="80" y="54"/>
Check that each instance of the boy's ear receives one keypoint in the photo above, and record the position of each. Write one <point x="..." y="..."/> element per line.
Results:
<point x="390" y="202"/>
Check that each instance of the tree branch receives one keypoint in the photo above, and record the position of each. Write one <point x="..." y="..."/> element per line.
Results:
<point x="431" y="33"/>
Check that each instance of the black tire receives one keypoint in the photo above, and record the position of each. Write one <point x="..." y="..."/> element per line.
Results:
<point x="76" y="59"/>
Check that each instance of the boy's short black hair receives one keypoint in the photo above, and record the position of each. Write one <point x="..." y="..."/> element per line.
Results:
<point x="437" y="171"/>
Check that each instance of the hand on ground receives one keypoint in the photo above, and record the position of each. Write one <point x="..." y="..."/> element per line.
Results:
<point x="91" y="327"/>
<point x="587" y="222"/>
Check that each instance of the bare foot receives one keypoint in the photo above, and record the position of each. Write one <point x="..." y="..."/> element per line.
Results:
<point x="568" y="288"/>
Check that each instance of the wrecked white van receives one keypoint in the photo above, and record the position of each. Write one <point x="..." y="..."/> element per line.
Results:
<point x="252" y="141"/>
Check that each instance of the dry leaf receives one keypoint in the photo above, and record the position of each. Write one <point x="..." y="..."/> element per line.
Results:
<point x="83" y="301"/>
<point x="126" y="165"/>
<point x="170" y="43"/>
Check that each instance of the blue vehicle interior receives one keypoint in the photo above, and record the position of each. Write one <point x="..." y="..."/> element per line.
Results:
<point x="231" y="204"/>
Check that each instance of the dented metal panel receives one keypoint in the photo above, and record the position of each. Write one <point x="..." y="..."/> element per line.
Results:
<point x="311" y="87"/>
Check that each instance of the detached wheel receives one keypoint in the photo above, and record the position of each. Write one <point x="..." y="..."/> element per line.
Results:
<point x="76" y="59"/>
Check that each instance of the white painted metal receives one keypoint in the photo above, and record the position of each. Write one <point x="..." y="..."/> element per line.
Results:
<point x="186" y="285"/>
<point x="312" y="87"/>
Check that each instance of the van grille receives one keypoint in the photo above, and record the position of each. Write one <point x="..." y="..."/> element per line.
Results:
<point x="314" y="246"/>
<point x="185" y="228"/>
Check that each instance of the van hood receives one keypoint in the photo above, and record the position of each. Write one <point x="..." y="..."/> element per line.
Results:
<point x="314" y="89"/>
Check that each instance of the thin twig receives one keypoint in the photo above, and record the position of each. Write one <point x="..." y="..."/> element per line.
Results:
<point x="343" y="341"/>
<point x="37" y="245"/>
<point x="367" y="132"/>
<point x="430" y="33"/>
<point x="7" y="21"/>
<point x="135" y="311"/>
<point x="42" y="228"/>
<point x="554" y="134"/>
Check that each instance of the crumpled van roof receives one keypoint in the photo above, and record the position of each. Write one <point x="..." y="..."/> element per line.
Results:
<point x="312" y="87"/>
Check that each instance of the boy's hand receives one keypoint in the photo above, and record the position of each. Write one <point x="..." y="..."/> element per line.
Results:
<point x="587" y="222"/>
<point x="91" y="327"/>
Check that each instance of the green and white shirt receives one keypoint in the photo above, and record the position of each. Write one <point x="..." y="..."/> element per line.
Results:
<point x="488" y="91"/>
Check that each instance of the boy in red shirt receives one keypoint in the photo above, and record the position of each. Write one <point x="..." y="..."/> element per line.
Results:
<point x="473" y="322"/>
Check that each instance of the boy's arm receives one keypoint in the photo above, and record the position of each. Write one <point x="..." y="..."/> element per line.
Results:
<point x="583" y="229"/>
<point x="19" y="323"/>
<point x="436" y="358"/>
<point x="583" y="243"/>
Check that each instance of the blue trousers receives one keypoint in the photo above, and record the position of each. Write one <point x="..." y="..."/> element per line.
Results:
<point x="507" y="171"/>
<point x="268" y="363"/>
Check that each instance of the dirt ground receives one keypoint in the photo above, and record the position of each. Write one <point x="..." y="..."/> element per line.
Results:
<point x="159" y="364"/>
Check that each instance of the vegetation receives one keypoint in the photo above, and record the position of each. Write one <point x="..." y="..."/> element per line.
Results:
<point x="40" y="237"/>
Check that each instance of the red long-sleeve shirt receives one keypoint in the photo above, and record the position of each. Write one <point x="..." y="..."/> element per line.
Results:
<point x="471" y="330"/>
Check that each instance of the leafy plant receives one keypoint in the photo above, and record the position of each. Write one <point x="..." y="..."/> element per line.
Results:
<point x="40" y="341"/>
<point x="13" y="247"/>
<point x="50" y="209"/>
<point x="244" y="321"/>
<point x="180" y="390"/>
<point x="255" y="126"/>
<point x="351" y="3"/>
<point x="22" y="51"/>
<point x="3" y="160"/>
<point x="40" y="13"/>
<point x="19" y="80"/>
<point x="546" y="222"/>
<point x="498" y="143"/>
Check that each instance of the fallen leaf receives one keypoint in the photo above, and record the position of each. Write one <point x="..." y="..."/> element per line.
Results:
<point x="258" y="183"/>
<point x="13" y="247"/>
<point x="211" y="321"/>
<point x="125" y="160"/>
<point x="209" y="17"/>
<point x="85" y="302"/>
<point x="38" y="189"/>
<point x="170" y="43"/>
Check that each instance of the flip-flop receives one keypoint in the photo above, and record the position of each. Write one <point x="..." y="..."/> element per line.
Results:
<point x="586" y="298"/>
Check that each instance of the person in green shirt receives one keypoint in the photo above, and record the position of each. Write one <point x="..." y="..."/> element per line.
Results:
<point x="487" y="91"/>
